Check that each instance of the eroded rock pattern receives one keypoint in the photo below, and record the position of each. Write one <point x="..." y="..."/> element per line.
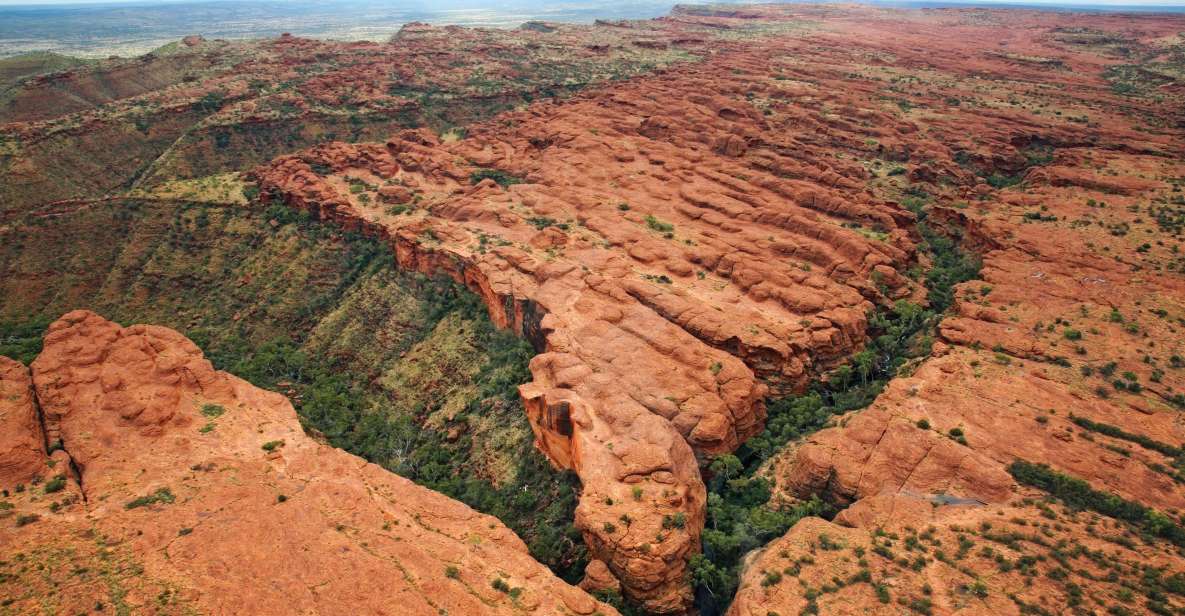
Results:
<point x="672" y="263"/>
<point x="210" y="488"/>
<point x="901" y="554"/>
<point x="678" y="244"/>
<point x="22" y="443"/>
<point x="681" y="245"/>
<point x="1071" y="331"/>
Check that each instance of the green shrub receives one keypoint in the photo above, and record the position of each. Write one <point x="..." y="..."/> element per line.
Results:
<point x="740" y="517"/>
<point x="1079" y="494"/>
<point x="21" y="340"/>
<point x="161" y="495"/>
<point x="57" y="484"/>
<point x="500" y="177"/>
<point x="658" y="225"/>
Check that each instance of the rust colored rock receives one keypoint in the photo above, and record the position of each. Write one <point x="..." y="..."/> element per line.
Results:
<point x="22" y="443"/>
<point x="211" y="485"/>
<point x="597" y="577"/>
<point x="680" y="245"/>
<point x="1061" y="353"/>
<point x="892" y="551"/>
<point x="669" y="284"/>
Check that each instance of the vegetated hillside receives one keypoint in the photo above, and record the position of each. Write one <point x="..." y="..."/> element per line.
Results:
<point x="399" y="369"/>
<point x="171" y="488"/>
<point x="202" y="107"/>
<point x="15" y="68"/>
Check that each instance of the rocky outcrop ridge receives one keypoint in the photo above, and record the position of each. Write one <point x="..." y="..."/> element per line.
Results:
<point x="909" y="554"/>
<point x="210" y="485"/>
<point x="1065" y="352"/>
<point x="661" y="262"/>
<point x="22" y="441"/>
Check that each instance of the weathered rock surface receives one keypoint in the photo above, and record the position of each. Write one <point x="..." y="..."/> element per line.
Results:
<point x="1071" y="332"/>
<point x="668" y="284"/>
<point x="903" y="554"/>
<point x="217" y="105"/>
<point x="22" y="444"/>
<point x="678" y="246"/>
<point x="213" y="499"/>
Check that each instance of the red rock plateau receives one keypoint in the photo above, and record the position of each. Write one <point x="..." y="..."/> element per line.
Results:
<point x="667" y="260"/>
<point x="179" y="489"/>
<point x="678" y="245"/>
<point x="901" y="554"/>
<point x="684" y="245"/>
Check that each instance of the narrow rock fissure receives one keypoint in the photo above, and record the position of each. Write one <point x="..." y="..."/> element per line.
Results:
<point x="49" y="448"/>
<point x="850" y="388"/>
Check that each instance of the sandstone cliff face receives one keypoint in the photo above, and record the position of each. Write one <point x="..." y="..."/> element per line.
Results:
<point x="668" y="284"/>
<point x="680" y="246"/>
<point x="22" y="443"/>
<point x="210" y="497"/>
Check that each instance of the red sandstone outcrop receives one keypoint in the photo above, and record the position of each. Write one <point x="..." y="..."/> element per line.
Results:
<point x="22" y="444"/>
<point x="903" y="554"/>
<point x="1074" y="322"/>
<point x="676" y="244"/>
<point x="209" y="487"/>
<point x="680" y="243"/>
<point x="667" y="284"/>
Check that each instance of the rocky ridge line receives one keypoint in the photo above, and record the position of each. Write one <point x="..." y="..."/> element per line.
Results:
<point x="210" y="485"/>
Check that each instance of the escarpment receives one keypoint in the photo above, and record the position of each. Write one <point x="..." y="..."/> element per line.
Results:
<point x="22" y="437"/>
<point x="184" y="488"/>
<point x="669" y="282"/>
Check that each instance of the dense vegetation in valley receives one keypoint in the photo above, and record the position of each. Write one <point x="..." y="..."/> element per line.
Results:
<point x="400" y="369"/>
<point x="532" y="499"/>
<point x="741" y="515"/>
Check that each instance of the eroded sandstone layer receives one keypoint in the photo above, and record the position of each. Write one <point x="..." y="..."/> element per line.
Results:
<point x="679" y="245"/>
<point x="179" y="489"/>
<point x="1064" y="173"/>
<point x="22" y="442"/>
<point x="901" y="554"/>
<point x="683" y="244"/>
<point x="672" y="257"/>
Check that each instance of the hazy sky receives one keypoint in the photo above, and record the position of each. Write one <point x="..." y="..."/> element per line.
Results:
<point x="490" y="3"/>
